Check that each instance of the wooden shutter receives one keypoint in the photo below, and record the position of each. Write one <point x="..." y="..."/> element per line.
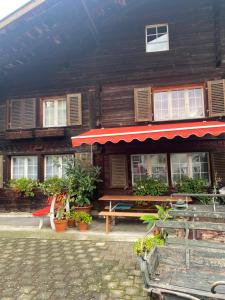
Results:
<point x="23" y="113"/>
<point x="142" y="104"/>
<point x="74" y="109"/>
<point x="218" y="160"/>
<point x="2" y="117"/>
<point x="118" y="171"/>
<point x="216" y="98"/>
<point x="1" y="171"/>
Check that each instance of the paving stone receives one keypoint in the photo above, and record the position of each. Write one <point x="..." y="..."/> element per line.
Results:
<point x="64" y="269"/>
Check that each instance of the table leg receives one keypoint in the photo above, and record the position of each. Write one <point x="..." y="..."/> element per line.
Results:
<point x="107" y="224"/>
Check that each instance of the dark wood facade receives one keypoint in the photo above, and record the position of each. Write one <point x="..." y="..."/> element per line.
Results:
<point x="97" y="49"/>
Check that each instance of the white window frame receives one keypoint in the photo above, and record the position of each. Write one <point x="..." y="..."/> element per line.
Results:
<point x="186" y="104"/>
<point x="146" y="37"/>
<point x="190" y="169"/>
<point x="25" y="165"/>
<point x="149" y="165"/>
<point x="55" y="100"/>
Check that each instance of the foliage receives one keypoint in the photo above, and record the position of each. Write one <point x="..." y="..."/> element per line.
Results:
<point x="162" y="214"/>
<point x="60" y="213"/>
<point x="70" y="214"/>
<point x="150" y="186"/>
<point x="142" y="246"/>
<point x="25" y="186"/>
<point x="81" y="181"/>
<point x="194" y="186"/>
<point x="52" y="186"/>
<point x="82" y="217"/>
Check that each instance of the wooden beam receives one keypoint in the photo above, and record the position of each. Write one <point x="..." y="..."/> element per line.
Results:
<point x="20" y="12"/>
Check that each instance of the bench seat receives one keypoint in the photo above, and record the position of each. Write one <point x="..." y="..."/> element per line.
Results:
<point x="109" y="214"/>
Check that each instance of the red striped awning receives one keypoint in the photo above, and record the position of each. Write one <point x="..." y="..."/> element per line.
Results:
<point x="154" y="132"/>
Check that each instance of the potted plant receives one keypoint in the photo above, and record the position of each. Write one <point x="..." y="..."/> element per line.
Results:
<point x="70" y="218"/>
<point x="60" y="219"/>
<point x="81" y="182"/>
<point x="23" y="186"/>
<point x="54" y="188"/>
<point x="143" y="246"/>
<point x="82" y="220"/>
<point x="162" y="214"/>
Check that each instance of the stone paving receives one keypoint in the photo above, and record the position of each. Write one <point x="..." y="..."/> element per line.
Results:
<point x="41" y="269"/>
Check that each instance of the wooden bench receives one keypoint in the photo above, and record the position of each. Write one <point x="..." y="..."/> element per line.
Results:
<point x="110" y="214"/>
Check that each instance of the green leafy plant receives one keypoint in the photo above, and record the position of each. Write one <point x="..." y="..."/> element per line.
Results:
<point x="150" y="186"/>
<point x="81" y="181"/>
<point x="70" y="214"/>
<point x="162" y="214"/>
<point x="82" y="217"/>
<point x="25" y="186"/>
<point x="60" y="213"/>
<point x="146" y="245"/>
<point x="194" y="186"/>
<point x="52" y="186"/>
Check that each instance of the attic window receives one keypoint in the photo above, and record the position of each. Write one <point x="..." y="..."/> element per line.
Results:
<point x="157" y="38"/>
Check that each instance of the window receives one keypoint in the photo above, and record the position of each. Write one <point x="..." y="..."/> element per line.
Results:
<point x="154" y="165"/>
<point x="157" y="38"/>
<point x="55" y="113"/>
<point x="22" y="166"/>
<point x="194" y="165"/>
<point x="55" y="165"/>
<point x="179" y="104"/>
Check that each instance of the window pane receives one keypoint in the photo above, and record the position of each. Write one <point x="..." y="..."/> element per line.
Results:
<point x="178" y="104"/>
<point x="200" y="166"/>
<point x="151" y="30"/>
<point x="18" y="167"/>
<point x="139" y="167"/>
<point x="161" y="106"/>
<point x="159" y="166"/>
<point x="49" y="113"/>
<point x="162" y="29"/>
<point x="61" y="113"/>
<point x="196" y="103"/>
<point x="52" y="166"/>
<point x="179" y="166"/>
<point x="32" y="167"/>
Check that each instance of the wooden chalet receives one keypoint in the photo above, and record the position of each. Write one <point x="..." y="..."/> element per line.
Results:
<point x="124" y="68"/>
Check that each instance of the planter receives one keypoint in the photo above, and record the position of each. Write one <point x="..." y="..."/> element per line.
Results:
<point x="82" y="226"/>
<point x="156" y="231"/>
<point x="60" y="225"/>
<point x="70" y="223"/>
<point x="86" y="209"/>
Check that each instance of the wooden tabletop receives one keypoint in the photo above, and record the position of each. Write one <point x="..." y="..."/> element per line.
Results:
<point x="124" y="198"/>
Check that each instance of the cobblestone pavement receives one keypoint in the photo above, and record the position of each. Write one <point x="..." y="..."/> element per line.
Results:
<point x="63" y="269"/>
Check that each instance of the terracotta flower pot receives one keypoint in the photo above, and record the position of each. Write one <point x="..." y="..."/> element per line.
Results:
<point x="82" y="226"/>
<point x="156" y="231"/>
<point x="86" y="209"/>
<point x="60" y="225"/>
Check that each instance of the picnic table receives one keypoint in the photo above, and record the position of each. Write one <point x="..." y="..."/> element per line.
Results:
<point x="119" y="202"/>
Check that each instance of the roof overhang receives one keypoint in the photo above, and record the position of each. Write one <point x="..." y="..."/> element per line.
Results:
<point x="154" y="132"/>
<point x="20" y="12"/>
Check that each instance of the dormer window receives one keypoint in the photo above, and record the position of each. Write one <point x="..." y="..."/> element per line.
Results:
<point x="157" y="38"/>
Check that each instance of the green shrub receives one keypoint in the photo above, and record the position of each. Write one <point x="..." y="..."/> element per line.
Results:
<point x="25" y="186"/>
<point x="150" y="186"/>
<point x="162" y="214"/>
<point x="194" y="186"/>
<point x="82" y="217"/>
<point x="52" y="186"/>
<point x="148" y="244"/>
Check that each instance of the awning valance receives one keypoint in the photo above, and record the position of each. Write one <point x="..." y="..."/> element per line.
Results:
<point x="154" y="132"/>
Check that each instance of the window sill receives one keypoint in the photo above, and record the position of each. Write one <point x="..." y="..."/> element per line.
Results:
<point x="19" y="134"/>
